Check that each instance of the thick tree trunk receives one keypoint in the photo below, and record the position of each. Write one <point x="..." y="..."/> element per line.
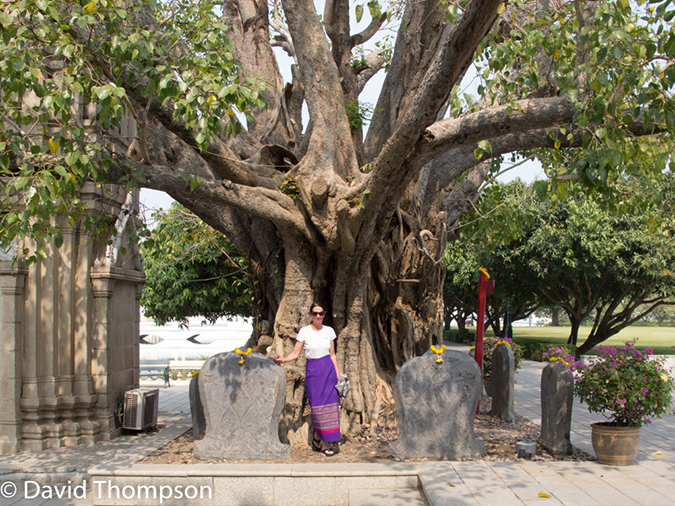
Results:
<point x="385" y="305"/>
<point x="574" y="331"/>
<point x="592" y="341"/>
<point x="554" y="317"/>
<point x="365" y="241"/>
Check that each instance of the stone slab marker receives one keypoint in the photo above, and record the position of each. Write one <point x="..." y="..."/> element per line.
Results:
<point x="196" y="409"/>
<point x="503" y="370"/>
<point x="557" y="397"/>
<point x="242" y="404"/>
<point x="436" y="404"/>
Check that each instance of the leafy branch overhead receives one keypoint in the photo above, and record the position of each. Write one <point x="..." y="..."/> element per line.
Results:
<point x="73" y="75"/>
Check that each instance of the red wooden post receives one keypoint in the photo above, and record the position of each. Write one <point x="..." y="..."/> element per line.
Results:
<point x="480" y="324"/>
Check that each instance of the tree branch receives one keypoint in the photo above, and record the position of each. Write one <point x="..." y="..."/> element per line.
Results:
<point x="374" y="63"/>
<point x="524" y="115"/>
<point x="323" y="91"/>
<point x="455" y="53"/>
<point x="370" y="31"/>
<point x="271" y="205"/>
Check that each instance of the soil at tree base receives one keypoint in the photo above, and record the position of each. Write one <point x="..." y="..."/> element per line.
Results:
<point x="371" y="444"/>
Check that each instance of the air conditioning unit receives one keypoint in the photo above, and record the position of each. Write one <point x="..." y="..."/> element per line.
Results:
<point x="140" y="408"/>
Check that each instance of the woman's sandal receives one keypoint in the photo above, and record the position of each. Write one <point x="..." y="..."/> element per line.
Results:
<point x="316" y="446"/>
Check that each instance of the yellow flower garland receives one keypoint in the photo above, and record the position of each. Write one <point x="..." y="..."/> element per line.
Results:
<point x="439" y="352"/>
<point x="242" y="354"/>
<point x="484" y="272"/>
<point x="554" y="359"/>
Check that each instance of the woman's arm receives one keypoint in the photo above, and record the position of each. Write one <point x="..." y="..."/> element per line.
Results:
<point x="334" y="358"/>
<point x="294" y="354"/>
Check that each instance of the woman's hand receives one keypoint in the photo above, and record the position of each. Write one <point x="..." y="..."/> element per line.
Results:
<point x="294" y="354"/>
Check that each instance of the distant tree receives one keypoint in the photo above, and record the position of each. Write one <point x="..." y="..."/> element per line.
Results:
<point x="505" y="268"/>
<point x="603" y="257"/>
<point x="551" y="311"/>
<point x="505" y="262"/>
<point x="192" y="270"/>
<point x="604" y="266"/>
<point x="662" y="315"/>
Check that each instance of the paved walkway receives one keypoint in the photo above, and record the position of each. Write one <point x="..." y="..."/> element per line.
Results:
<point x="650" y="482"/>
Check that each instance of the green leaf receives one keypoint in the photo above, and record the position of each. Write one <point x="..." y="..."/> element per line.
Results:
<point x="53" y="146"/>
<point x="5" y="20"/>
<point x="359" y="13"/>
<point x="375" y="9"/>
<point x="485" y="146"/>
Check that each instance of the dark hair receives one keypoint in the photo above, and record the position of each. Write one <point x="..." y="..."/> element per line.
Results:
<point x="315" y="304"/>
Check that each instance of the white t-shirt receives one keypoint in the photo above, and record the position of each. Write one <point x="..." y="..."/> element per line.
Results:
<point x="317" y="343"/>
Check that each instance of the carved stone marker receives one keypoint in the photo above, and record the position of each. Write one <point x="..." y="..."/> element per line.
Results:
<point x="436" y="404"/>
<point x="557" y="397"/>
<point x="242" y="405"/>
<point x="196" y="409"/>
<point x="503" y="370"/>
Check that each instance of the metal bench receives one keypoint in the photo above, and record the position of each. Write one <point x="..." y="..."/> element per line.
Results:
<point x="156" y="369"/>
<point x="181" y="368"/>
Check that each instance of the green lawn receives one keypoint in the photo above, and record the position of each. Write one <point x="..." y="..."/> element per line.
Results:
<point x="661" y="339"/>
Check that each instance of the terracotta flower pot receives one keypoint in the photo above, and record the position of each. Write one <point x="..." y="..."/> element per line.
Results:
<point x="614" y="445"/>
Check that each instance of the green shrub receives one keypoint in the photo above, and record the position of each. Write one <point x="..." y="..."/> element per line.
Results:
<point x="463" y="336"/>
<point x="534" y="350"/>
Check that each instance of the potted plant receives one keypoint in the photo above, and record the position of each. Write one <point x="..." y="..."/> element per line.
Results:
<point x="629" y="387"/>
<point x="489" y="345"/>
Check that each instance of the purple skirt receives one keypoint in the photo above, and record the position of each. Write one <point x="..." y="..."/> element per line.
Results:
<point x="320" y="381"/>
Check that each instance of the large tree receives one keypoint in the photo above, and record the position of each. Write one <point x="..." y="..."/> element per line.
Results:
<point x="360" y="223"/>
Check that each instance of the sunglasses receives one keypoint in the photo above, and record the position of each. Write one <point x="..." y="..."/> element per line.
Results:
<point x="320" y="313"/>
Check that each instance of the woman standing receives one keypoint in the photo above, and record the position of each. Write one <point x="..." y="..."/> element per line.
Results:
<point x="321" y="376"/>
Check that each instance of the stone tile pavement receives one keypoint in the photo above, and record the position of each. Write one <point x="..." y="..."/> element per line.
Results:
<point x="650" y="481"/>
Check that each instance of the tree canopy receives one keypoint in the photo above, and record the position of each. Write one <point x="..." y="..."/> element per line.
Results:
<point x="593" y="256"/>
<point x="144" y="93"/>
<point x="614" y="269"/>
<point x="505" y="262"/>
<point x="193" y="270"/>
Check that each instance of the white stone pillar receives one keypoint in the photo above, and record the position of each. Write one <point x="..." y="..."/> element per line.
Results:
<point x="12" y="279"/>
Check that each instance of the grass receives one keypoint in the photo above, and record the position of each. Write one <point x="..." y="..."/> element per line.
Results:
<point x="660" y="339"/>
